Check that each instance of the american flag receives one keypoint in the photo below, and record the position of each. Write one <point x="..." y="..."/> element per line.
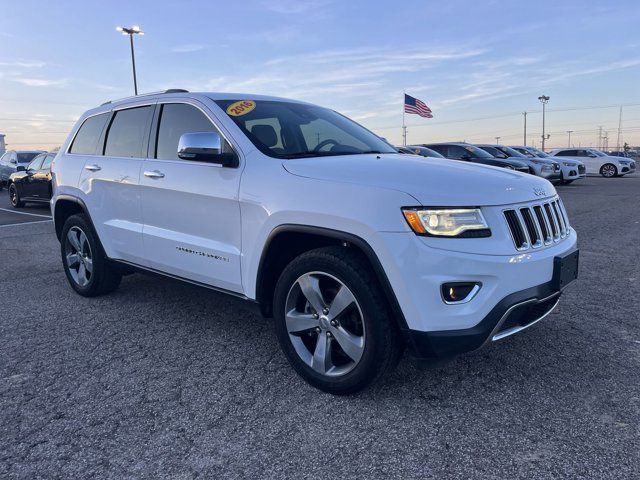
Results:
<point x="413" y="105"/>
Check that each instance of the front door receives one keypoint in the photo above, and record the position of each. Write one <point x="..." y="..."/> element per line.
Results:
<point x="42" y="179"/>
<point x="190" y="209"/>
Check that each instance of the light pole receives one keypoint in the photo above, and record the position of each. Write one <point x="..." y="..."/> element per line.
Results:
<point x="543" y="99"/>
<point x="131" y="31"/>
<point x="525" y="128"/>
<point x="497" y="140"/>
<point x="569" y="142"/>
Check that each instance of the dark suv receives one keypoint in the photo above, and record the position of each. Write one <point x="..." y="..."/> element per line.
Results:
<point x="471" y="153"/>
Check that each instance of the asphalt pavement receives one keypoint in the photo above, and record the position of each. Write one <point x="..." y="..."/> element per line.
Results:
<point x="166" y="380"/>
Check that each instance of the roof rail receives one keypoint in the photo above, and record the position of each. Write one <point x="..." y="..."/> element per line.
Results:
<point x="170" y="90"/>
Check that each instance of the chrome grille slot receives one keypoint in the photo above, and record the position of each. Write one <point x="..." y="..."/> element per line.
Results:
<point x="552" y="220"/>
<point x="515" y="227"/>
<point x="533" y="226"/>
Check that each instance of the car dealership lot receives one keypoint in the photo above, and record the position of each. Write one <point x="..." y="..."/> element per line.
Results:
<point x="163" y="379"/>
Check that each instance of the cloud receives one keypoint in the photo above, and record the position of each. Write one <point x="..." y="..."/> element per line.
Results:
<point x="38" y="82"/>
<point x="23" y="64"/>
<point x="188" y="48"/>
<point x="295" y="7"/>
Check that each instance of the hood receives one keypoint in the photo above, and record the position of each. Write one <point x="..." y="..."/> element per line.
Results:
<point x="431" y="181"/>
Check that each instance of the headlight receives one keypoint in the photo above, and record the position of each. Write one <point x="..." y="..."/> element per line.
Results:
<point x="538" y="162"/>
<point x="447" y="222"/>
<point x="568" y="164"/>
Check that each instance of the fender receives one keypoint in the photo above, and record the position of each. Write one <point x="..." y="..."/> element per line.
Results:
<point x="347" y="238"/>
<point x="73" y="199"/>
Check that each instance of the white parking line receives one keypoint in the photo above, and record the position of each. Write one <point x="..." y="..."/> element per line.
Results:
<point x="25" y="223"/>
<point x="25" y="213"/>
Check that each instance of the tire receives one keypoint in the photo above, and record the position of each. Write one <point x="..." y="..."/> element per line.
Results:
<point x="372" y="338"/>
<point x="14" y="196"/>
<point x="566" y="182"/>
<point x="88" y="270"/>
<point x="608" y="170"/>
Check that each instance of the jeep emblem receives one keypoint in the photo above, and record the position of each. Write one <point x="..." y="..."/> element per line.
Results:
<point x="539" y="192"/>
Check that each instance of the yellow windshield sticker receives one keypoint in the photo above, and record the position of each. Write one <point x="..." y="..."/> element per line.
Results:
<point x="242" y="107"/>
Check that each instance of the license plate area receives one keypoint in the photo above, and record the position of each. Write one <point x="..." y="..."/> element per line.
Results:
<point x="565" y="269"/>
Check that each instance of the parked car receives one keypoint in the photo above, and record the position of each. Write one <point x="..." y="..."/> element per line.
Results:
<point x="424" y="151"/>
<point x="596" y="162"/>
<point x="32" y="183"/>
<point x="356" y="251"/>
<point x="570" y="170"/>
<point x="471" y="153"/>
<point x="10" y="161"/>
<point x="495" y="152"/>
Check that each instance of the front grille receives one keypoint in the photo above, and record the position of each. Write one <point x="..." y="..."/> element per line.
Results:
<point x="581" y="169"/>
<point x="556" y="167"/>
<point x="533" y="226"/>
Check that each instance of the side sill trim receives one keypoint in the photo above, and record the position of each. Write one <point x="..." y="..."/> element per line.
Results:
<point x="186" y="280"/>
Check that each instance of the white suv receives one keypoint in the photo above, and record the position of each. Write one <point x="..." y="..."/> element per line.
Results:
<point x="596" y="162"/>
<point x="357" y="251"/>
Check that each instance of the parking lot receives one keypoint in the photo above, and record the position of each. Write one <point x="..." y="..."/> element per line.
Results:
<point x="166" y="380"/>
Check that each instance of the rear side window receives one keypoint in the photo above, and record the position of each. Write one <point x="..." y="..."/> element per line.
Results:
<point x="175" y="120"/>
<point x="86" y="141"/>
<point x="46" y="165"/>
<point x="567" y="153"/>
<point x="127" y="132"/>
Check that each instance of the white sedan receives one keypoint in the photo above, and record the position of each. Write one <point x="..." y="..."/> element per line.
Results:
<point x="598" y="163"/>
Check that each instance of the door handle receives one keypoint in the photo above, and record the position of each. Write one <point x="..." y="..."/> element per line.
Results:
<point x="154" y="174"/>
<point x="93" y="168"/>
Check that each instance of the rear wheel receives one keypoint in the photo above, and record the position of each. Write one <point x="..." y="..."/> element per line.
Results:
<point x="333" y="321"/>
<point x="608" y="170"/>
<point x="88" y="270"/>
<point x="14" y="196"/>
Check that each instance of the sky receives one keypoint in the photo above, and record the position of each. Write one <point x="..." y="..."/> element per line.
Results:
<point x="477" y="64"/>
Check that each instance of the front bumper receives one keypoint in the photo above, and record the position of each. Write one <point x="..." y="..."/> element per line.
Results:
<point x="571" y="173"/>
<point x="511" y="315"/>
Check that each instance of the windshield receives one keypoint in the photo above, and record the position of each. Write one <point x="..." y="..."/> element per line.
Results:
<point x="511" y="152"/>
<point x="424" y="151"/>
<point x="598" y="153"/>
<point x="539" y="153"/>
<point x="477" y="152"/>
<point x="493" y="151"/>
<point x="26" y="157"/>
<point x="294" y="130"/>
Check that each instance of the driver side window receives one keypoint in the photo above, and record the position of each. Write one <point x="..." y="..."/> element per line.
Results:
<point x="36" y="163"/>
<point x="457" y="152"/>
<point x="320" y="130"/>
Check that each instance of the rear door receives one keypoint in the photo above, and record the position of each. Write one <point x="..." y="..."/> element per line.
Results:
<point x="190" y="209"/>
<point x="591" y="162"/>
<point x="42" y="178"/>
<point x="110" y="180"/>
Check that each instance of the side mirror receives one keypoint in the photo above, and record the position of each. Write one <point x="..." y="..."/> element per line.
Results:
<point x="205" y="147"/>
<point x="21" y="168"/>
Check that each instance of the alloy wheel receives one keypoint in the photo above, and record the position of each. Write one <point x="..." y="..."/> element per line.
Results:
<point x="78" y="256"/>
<point x="325" y="324"/>
<point x="609" y="170"/>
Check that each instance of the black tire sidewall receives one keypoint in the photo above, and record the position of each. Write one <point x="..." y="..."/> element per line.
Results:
<point x="18" y="203"/>
<point x="368" y="366"/>
<point x="97" y="256"/>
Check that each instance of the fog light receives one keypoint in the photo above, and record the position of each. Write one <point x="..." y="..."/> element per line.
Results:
<point x="459" y="292"/>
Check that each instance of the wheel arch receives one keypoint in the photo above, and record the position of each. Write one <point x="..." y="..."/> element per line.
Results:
<point x="64" y="207"/>
<point x="286" y="242"/>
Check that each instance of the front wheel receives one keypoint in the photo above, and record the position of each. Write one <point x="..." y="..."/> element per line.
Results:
<point x="608" y="170"/>
<point x="333" y="321"/>
<point x="14" y="196"/>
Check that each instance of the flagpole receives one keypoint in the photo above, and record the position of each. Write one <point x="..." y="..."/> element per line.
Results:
<point x="404" y="127"/>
